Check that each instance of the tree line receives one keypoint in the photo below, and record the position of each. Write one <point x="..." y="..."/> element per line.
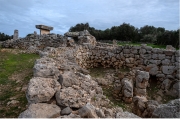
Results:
<point x="4" y="37"/>
<point x="127" y="32"/>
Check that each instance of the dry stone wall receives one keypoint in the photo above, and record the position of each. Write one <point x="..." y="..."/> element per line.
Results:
<point x="39" y="41"/>
<point x="161" y="63"/>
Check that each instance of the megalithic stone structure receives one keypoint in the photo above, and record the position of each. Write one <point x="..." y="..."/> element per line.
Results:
<point x="44" y="29"/>
<point x="16" y="34"/>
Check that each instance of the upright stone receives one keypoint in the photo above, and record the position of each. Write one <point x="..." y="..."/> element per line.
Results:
<point x="15" y="36"/>
<point x="35" y="33"/>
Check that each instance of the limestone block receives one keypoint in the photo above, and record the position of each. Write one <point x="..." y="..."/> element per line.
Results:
<point x="156" y="62"/>
<point x="87" y="111"/>
<point x="41" y="110"/>
<point x="169" y="52"/>
<point x="160" y="75"/>
<point x="168" y="69"/>
<point x="127" y="87"/>
<point x="161" y="56"/>
<point x="126" y="51"/>
<point x="169" y="110"/>
<point x="142" y="78"/>
<point x="153" y="70"/>
<point x="155" y="56"/>
<point x="140" y="92"/>
<point x="142" y="51"/>
<point x="166" y="84"/>
<point x="166" y="62"/>
<point x="177" y="53"/>
<point x="41" y="89"/>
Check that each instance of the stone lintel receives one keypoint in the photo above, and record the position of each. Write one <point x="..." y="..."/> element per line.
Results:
<point x="48" y="28"/>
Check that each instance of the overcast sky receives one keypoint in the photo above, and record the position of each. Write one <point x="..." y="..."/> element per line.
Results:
<point x="101" y="14"/>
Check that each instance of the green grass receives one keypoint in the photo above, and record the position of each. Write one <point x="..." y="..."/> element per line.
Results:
<point x="98" y="72"/>
<point x="12" y="65"/>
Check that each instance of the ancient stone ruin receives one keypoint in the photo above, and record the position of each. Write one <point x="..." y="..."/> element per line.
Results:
<point x="44" y="29"/>
<point x="62" y="87"/>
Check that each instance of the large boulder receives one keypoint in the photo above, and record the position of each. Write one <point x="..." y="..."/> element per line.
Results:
<point x="41" y="89"/>
<point x="41" y="110"/>
<point x="169" y="110"/>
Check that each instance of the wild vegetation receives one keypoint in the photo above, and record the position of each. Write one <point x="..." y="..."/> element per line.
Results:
<point x="127" y="32"/>
<point x="15" y="72"/>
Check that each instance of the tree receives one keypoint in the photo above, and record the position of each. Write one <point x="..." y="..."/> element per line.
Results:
<point x="4" y="37"/>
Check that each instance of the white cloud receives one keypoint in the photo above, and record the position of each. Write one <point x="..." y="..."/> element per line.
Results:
<point x="25" y="14"/>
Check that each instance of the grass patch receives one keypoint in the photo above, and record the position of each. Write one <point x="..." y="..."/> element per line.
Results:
<point x="99" y="72"/>
<point x="15" y="71"/>
<point x="124" y="69"/>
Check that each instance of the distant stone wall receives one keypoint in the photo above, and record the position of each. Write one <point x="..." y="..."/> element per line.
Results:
<point x="50" y="40"/>
<point x="39" y="41"/>
<point x="161" y="63"/>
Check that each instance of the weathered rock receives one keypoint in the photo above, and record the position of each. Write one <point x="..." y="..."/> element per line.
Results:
<point x="175" y="91"/>
<point x="87" y="111"/>
<point x="168" y="69"/>
<point x="46" y="67"/>
<point x="72" y="97"/>
<point x="41" y="89"/>
<point x="69" y="79"/>
<point x="87" y="39"/>
<point x="100" y="113"/>
<point x="140" y="92"/>
<point x="127" y="87"/>
<point x="166" y="62"/>
<point x="169" y="110"/>
<point x="139" y="105"/>
<point x="66" y="111"/>
<point x="126" y="115"/>
<point x="166" y="84"/>
<point x="72" y="34"/>
<point x="41" y="110"/>
<point x="70" y="116"/>
<point x="151" y="105"/>
<point x="170" y="47"/>
<point x="142" y="78"/>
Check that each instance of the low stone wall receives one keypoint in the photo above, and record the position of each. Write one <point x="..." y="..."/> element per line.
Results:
<point x="39" y="41"/>
<point x="161" y="63"/>
<point x="50" y="40"/>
